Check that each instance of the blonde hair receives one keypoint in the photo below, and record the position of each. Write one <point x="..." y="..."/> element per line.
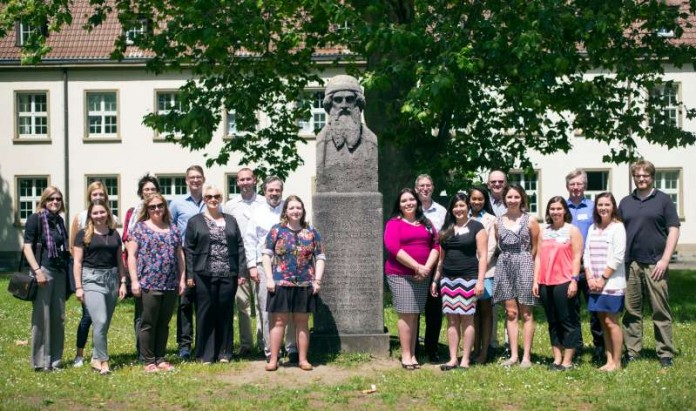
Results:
<point x="94" y="186"/>
<point x="46" y="194"/>
<point x="89" y="228"/>
<point x="145" y="214"/>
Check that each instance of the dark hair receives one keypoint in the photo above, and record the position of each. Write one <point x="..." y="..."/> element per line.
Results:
<point x="195" y="168"/>
<point x="615" y="216"/>
<point x="520" y="190"/>
<point x="450" y="219"/>
<point x="147" y="178"/>
<point x="487" y="207"/>
<point x="558" y="199"/>
<point x="420" y="216"/>
<point x="284" y="213"/>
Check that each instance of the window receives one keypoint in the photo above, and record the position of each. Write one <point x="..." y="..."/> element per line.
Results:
<point x="32" y="114"/>
<point x="25" y="30"/>
<point x="166" y="101"/>
<point x="29" y="191"/>
<point x="669" y="182"/>
<point x="317" y="118"/>
<point x="172" y="186"/>
<point x="597" y="182"/>
<point x="111" y="184"/>
<point x="230" y="123"/>
<point x="530" y="183"/>
<point x="666" y="98"/>
<point x="102" y="114"/>
<point x="140" y="29"/>
<point x="232" y="189"/>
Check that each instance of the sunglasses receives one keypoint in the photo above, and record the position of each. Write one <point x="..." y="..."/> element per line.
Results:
<point x="153" y="207"/>
<point x="209" y="197"/>
<point x="56" y="199"/>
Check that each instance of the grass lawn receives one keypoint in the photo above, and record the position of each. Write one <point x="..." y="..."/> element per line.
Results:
<point x="340" y="382"/>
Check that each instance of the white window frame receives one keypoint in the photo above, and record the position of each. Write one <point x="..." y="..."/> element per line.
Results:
<point x="174" y="100"/>
<point x="107" y="117"/>
<point x="675" y="193"/>
<point x="169" y="187"/>
<point x="114" y="192"/>
<point x="32" y="199"/>
<point x="231" y="186"/>
<point x="533" y="194"/>
<point x="24" y="31"/>
<point x="318" y="116"/>
<point x="591" y="194"/>
<point x="672" y="109"/>
<point x="139" y="30"/>
<point x="34" y="115"/>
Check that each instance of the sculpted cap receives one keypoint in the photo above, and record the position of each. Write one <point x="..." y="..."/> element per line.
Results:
<point x="343" y="83"/>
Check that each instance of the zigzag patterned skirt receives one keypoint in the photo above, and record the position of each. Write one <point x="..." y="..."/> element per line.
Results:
<point x="458" y="296"/>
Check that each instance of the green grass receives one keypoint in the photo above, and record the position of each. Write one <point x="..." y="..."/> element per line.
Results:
<point x="339" y="381"/>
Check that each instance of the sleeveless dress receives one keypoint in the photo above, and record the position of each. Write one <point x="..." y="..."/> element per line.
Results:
<point x="514" y="272"/>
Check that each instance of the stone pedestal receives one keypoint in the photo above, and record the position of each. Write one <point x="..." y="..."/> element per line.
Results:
<point x="350" y="313"/>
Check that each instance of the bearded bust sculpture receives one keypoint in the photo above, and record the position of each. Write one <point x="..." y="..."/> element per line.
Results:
<point x="346" y="148"/>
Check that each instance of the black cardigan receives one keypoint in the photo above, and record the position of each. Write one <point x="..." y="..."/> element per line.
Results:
<point x="197" y="246"/>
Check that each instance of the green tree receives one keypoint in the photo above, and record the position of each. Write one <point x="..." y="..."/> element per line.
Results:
<point x="452" y="86"/>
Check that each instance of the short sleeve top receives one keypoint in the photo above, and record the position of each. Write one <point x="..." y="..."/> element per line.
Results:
<point x="295" y="253"/>
<point x="460" y="258"/>
<point x="157" y="263"/>
<point x="102" y="251"/>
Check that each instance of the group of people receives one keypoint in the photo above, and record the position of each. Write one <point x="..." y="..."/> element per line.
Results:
<point x="195" y="251"/>
<point x="485" y="249"/>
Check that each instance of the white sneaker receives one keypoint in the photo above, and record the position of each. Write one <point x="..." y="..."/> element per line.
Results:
<point x="78" y="362"/>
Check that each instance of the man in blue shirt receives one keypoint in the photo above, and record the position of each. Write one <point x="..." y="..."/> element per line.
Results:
<point x="182" y="209"/>
<point x="582" y="209"/>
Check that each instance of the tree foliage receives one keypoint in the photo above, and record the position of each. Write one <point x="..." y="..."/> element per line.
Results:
<point x="452" y="86"/>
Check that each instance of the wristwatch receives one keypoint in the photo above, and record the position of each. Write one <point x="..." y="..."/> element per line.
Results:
<point x="575" y="278"/>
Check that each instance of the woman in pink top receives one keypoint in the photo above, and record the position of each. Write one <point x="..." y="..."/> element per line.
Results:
<point x="412" y="252"/>
<point x="556" y="275"/>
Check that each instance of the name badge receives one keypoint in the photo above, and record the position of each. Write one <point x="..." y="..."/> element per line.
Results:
<point x="561" y="240"/>
<point x="583" y="217"/>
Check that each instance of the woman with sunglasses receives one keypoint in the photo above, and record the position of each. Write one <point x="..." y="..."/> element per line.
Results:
<point x="45" y="229"/>
<point x="156" y="267"/>
<point x="214" y="250"/>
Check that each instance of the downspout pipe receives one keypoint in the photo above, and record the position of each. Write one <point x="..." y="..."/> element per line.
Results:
<point x="66" y="144"/>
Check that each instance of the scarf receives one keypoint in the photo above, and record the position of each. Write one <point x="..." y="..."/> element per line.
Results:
<point x="50" y="242"/>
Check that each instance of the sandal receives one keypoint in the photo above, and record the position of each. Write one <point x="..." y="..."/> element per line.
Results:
<point x="151" y="368"/>
<point x="305" y="366"/>
<point x="96" y="365"/>
<point x="409" y="367"/>
<point x="105" y="370"/>
<point x="447" y="367"/>
<point x="165" y="366"/>
<point x="272" y="366"/>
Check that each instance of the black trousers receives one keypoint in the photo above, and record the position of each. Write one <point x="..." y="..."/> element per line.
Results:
<point x="158" y="307"/>
<point x="214" y="317"/>
<point x="433" y="324"/>
<point x="562" y="314"/>
<point x="184" y="319"/>
<point x="595" y="324"/>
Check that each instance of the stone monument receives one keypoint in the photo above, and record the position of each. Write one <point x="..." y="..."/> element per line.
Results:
<point x="348" y="214"/>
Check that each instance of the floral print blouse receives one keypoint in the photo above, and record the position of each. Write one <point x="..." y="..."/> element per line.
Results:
<point x="294" y="254"/>
<point x="156" y="258"/>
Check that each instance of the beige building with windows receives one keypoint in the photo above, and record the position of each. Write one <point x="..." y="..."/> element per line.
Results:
<point x="77" y="117"/>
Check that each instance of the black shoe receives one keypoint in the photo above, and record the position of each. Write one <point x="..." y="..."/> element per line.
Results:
<point x="293" y="358"/>
<point x="666" y="362"/>
<point x="556" y="367"/>
<point x="627" y="359"/>
<point x="185" y="354"/>
<point x="433" y="357"/>
<point x="598" y="355"/>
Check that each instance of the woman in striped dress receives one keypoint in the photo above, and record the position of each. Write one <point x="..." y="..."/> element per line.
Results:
<point x="461" y="272"/>
<point x="606" y="274"/>
<point x="517" y="233"/>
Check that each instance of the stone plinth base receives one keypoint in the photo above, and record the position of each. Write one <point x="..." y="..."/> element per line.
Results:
<point x="375" y="344"/>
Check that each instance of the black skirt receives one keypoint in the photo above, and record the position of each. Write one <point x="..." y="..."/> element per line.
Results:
<point x="291" y="300"/>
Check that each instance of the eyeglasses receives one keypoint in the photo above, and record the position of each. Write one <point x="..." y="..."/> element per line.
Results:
<point x="153" y="207"/>
<point x="643" y="176"/>
<point x="497" y="181"/>
<point x="56" y="199"/>
<point x="209" y="197"/>
<point x="195" y="177"/>
<point x="339" y="99"/>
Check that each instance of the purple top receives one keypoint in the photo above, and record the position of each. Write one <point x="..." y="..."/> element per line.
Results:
<point x="416" y="241"/>
<point x="156" y="258"/>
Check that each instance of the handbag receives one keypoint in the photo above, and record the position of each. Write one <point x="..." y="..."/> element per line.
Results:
<point x="23" y="285"/>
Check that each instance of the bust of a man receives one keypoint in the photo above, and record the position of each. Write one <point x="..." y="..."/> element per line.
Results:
<point x="346" y="148"/>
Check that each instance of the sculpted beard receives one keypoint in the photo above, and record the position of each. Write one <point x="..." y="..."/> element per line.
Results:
<point x="345" y="128"/>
